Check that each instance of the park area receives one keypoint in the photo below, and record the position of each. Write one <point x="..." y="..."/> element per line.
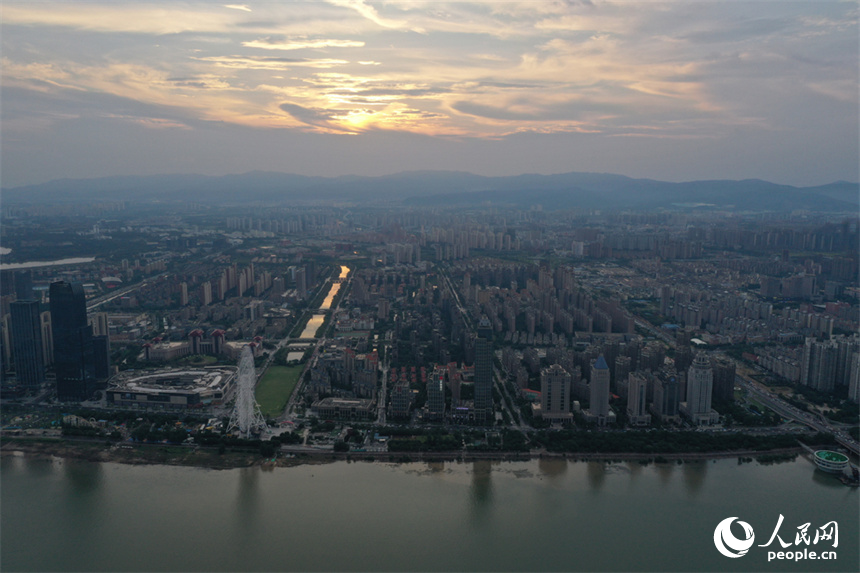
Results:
<point x="275" y="388"/>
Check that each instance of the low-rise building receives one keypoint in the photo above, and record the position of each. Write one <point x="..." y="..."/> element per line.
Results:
<point x="344" y="409"/>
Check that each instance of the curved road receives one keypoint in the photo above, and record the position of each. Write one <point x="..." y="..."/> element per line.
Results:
<point x="786" y="410"/>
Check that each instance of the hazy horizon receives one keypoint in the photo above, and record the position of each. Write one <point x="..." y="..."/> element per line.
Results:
<point x="667" y="91"/>
<point x="401" y="173"/>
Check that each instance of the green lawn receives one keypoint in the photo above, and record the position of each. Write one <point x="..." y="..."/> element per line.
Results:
<point x="275" y="388"/>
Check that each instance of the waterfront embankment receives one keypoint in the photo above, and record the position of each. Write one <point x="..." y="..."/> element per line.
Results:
<point x="213" y="458"/>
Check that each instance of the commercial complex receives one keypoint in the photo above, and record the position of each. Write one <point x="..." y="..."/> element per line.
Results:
<point x="172" y="389"/>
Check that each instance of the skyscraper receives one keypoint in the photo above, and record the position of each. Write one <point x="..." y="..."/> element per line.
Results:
<point x="484" y="371"/>
<point x="436" y="395"/>
<point x="700" y="381"/>
<point x="818" y="368"/>
<point x="637" y="403"/>
<point x="24" y="285"/>
<point x="101" y="357"/>
<point x="301" y="283"/>
<point x="5" y="346"/>
<point x="598" y="409"/>
<point x="26" y="331"/>
<point x="700" y="384"/>
<point x="724" y="378"/>
<point x="854" y="378"/>
<point x="667" y="390"/>
<point x="47" y="338"/>
<point x="73" y="344"/>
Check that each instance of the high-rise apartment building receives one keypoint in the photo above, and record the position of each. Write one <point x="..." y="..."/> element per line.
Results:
<point x="637" y="399"/>
<point x="622" y="369"/>
<point x="206" y="294"/>
<point x="101" y="345"/>
<point x="26" y="334"/>
<point x="854" y="378"/>
<point x="74" y="362"/>
<point x="436" y="395"/>
<point x="555" y="387"/>
<point x="301" y="283"/>
<point x="401" y="400"/>
<point x="598" y="408"/>
<point x="818" y="368"/>
<point x="667" y="391"/>
<point x="826" y="364"/>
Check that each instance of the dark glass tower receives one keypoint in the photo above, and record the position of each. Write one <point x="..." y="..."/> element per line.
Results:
<point x="484" y="372"/>
<point x="73" y="342"/>
<point x="24" y="285"/>
<point x="26" y="334"/>
<point x="101" y="357"/>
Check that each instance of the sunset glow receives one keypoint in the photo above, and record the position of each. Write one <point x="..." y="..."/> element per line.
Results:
<point x="486" y="71"/>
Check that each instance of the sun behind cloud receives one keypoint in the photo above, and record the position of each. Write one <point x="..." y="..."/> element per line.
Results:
<point x="482" y="70"/>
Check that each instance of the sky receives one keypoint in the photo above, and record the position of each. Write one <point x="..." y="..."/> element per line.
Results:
<point x="675" y="91"/>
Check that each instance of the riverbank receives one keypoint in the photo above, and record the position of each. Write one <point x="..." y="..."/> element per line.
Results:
<point x="160" y="454"/>
<point x="211" y="458"/>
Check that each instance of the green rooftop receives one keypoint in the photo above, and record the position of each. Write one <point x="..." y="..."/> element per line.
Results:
<point x="829" y="456"/>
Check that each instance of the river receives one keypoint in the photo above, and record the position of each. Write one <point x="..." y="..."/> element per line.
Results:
<point x="40" y="264"/>
<point x="540" y="515"/>
<point x="316" y="321"/>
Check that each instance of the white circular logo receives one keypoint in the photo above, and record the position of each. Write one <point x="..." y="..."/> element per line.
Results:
<point x="727" y="543"/>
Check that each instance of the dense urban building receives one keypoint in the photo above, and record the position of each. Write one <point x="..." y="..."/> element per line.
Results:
<point x="598" y="404"/>
<point x="700" y="384"/>
<point x="667" y="395"/>
<point x="27" y="347"/>
<point x="637" y="400"/>
<point x="484" y="372"/>
<point x="74" y="360"/>
<point x="436" y="395"/>
<point x="613" y="311"/>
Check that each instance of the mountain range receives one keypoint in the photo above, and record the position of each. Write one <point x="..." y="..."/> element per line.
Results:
<point x="447" y="189"/>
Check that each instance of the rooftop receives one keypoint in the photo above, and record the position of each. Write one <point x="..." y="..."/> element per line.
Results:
<point x="831" y="456"/>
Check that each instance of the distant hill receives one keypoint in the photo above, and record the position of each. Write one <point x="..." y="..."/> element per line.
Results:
<point x="448" y="188"/>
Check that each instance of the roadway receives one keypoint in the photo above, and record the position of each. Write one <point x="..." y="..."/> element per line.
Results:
<point x="100" y="300"/>
<point x="382" y="399"/>
<point x="788" y="411"/>
<point x="654" y="331"/>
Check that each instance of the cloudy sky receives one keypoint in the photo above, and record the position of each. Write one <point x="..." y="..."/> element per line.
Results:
<point x="672" y="91"/>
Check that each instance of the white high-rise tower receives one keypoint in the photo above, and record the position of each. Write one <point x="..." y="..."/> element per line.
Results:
<point x="700" y="387"/>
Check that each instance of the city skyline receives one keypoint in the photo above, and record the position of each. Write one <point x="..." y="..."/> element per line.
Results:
<point x="667" y="91"/>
